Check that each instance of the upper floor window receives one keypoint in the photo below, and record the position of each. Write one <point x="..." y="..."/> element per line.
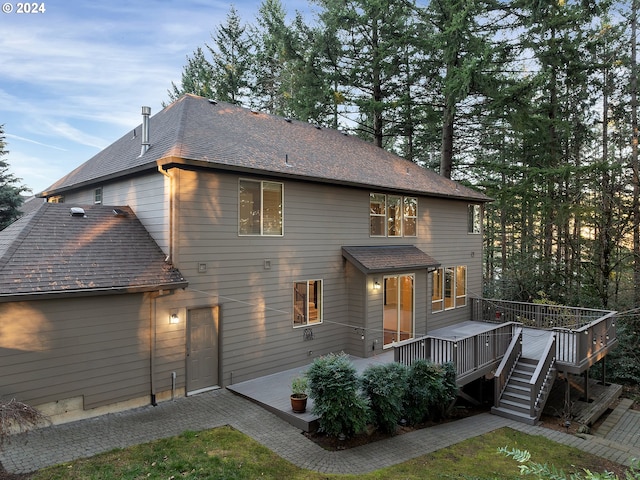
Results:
<point x="307" y="303"/>
<point x="475" y="218"/>
<point x="260" y="209"/>
<point x="392" y="215"/>
<point x="97" y="196"/>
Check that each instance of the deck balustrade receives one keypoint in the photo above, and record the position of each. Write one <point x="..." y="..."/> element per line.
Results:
<point x="534" y="315"/>
<point x="473" y="355"/>
<point x="582" y="337"/>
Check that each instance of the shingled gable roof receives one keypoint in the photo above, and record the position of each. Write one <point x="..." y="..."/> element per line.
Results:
<point x="196" y="131"/>
<point x="50" y="252"/>
<point x="388" y="258"/>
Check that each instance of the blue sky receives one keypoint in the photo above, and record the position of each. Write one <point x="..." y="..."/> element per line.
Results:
<point x="73" y="79"/>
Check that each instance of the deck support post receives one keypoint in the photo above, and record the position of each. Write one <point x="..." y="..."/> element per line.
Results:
<point x="586" y="385"/>
<point x="604" y="371"/>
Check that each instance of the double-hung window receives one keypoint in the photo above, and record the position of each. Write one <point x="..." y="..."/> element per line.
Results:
<point x="260" y="208"/>
<point x="307" y="303"/>
<point x="392" y="215"/>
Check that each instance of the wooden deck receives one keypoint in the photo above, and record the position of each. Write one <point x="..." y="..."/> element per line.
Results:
<point x="272" y="391"/>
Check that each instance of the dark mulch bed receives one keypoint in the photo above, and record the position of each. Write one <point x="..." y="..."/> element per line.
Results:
<point x="372" y="435"/>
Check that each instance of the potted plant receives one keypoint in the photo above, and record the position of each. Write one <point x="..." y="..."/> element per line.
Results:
<point x="299" y="395"/>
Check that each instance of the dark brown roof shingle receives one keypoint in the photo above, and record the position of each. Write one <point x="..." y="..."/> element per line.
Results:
<point x="48" y="251"/>
<point x="388" y="258"/>
<point x="194" y="130"/>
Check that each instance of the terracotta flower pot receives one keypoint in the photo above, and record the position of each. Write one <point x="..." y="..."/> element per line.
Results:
<point x="299" y="402"/>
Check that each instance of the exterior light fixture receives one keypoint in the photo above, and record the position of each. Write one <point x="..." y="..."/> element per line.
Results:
<point x="174" y="319"/>
<point x="376" y="285"/>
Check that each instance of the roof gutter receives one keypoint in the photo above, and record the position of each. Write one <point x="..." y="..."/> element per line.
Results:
<point x="176" y="162"/>
<point x="90" y="292"/>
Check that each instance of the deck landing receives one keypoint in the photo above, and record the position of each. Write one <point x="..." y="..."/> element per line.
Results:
<point x="272" y="391"/>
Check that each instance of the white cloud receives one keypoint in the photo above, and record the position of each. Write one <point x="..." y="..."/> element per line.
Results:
<point x="16" y="137"/>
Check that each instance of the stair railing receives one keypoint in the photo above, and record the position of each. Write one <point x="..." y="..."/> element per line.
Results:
<point x="546" y="388"/>
<point x="541" y="376"/>
<point x="508" y="363"/>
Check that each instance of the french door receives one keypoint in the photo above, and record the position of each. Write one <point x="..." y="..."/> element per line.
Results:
<point x="398" y="315"/>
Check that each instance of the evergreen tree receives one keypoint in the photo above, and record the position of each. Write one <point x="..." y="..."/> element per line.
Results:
<point x="231" y="60"/>
<point x="10" y="198"/>
<point x="197" y="78"/>
<point x="372" y="46"/>
<point x="271" y="70"/>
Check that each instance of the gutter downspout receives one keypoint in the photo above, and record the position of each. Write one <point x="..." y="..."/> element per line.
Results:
<point x="170" y="247"/>
<point x="153" y="345"/>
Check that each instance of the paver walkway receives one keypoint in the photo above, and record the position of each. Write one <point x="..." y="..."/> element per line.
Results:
<point x="67" y="442"/>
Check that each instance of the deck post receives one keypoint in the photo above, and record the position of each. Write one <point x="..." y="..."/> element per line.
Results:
<point x="586" y="385"/>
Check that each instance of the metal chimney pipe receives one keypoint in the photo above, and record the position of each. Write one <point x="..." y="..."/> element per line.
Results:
<point x="146" y="112"/>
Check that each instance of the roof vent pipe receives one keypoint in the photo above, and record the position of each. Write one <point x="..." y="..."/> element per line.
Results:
<point x="146" y="112"/>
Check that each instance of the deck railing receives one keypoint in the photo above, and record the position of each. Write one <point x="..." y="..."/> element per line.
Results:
<point x="535" y="315"/>
<point x="583" y="335"/>
<point x="543" y="378"/>
<point x="578" y="349"/>
<point x="472" y="355"/>
<point x="508" y="363"/>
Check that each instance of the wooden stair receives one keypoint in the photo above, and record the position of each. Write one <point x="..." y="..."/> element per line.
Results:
<point x="515" y="401"/>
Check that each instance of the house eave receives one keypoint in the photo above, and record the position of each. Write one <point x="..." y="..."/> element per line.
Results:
<point x="89" y="292"/>
<point x="176" y="162"/>
<point x="98" y="180"/>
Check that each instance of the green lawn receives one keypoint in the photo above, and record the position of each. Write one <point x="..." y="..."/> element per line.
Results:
<point x="225" y="453"/>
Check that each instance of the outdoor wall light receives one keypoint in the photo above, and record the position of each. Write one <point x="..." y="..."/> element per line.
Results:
<point x="376" y="285"/>
<point x="174" y="319"/>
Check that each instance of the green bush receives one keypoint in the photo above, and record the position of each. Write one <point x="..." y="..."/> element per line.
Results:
<point x="333" y="386"/>
<point x="385" y="385"/>
<point x="430" y="390"/>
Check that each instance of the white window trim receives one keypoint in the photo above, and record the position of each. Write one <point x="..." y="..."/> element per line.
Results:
<point x="261" y="234"/>
<point x="403" y="217"/>
<point x="471" y="226"/>
<point x="454" y="269"/>
<point x="321" y="313"/>
<point x="413" y="305"/>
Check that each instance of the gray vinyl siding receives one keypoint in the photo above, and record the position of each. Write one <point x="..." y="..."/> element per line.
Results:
<point x="94" y="347"/>
<point x="257" y="336"/>
<point x="452" y="245"/>
<point x="147" y="195"/>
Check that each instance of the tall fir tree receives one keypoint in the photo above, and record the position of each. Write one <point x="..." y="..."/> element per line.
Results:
<point x="197" y="78"/>
<point x="10" y="192"/>
<point x="231" y="60"/>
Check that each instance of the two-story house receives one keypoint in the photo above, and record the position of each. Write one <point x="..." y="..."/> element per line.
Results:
<point x="289" y="241"/>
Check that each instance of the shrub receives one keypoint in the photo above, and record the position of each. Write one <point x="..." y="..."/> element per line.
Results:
<point x="333" y="386"/>
<point x="430" y="390"/>
<point x="18" y="416"/>
<point x="300" y="385"/>
<point x="385" y="386"/>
